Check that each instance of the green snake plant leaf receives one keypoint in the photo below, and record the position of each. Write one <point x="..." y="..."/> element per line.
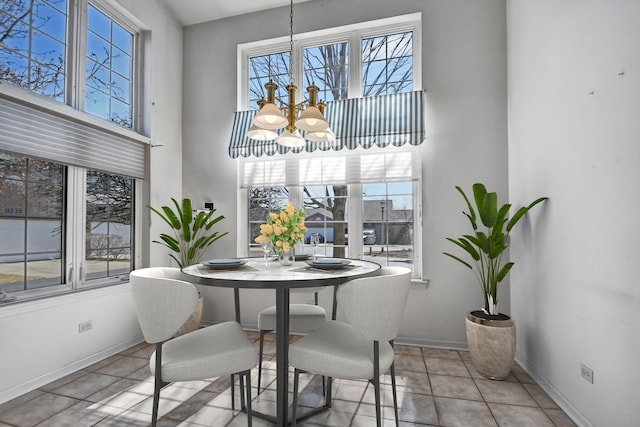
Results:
<point x="190" y="238"/>
<point x="498" y="229"/>
<point x="177" y="261"/>
<point x="472" y="213"/>
<point x="489" y="209"/>
<point x="468" y="247"/>
<point x="214" y="221"/>
<point x="186" y="214"/>
<point x="199" y="222"/>
<point x="481" y="240"/>
<point x="503" y="271"/>
<point x="459" y="260"/>
<point x="170" y="242"/>
<point x="523" y="210"/>
<point x="171" y="218"/>
<point x="496" y="249"/>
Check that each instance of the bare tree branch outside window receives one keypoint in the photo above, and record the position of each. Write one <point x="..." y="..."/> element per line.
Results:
<point x="33" y="55"/>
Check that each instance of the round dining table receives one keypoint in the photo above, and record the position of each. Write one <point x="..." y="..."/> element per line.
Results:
<point x="254" y="273"/>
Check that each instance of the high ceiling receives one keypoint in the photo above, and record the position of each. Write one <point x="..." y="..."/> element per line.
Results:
<point x="190" y="12"/>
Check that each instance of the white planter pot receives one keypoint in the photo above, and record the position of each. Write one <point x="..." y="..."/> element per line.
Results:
<point x="492" y="345"/>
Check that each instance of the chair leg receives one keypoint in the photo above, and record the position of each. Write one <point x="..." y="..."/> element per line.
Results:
<point x="242" y="400"/>
<point x="327" y="403"/>
<point x="395" y="393"/>
<point x="156" y="399"/>
<point x="158" y="384"/>
<point x="296" y="378"/>
<point x="249" y="415"/>
<point x="233" y="393"/>
<point x="376" y="380"/>
<point x="262" y="332"/>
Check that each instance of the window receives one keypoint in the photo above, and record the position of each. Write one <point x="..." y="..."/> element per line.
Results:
<point x="264" y="68"/>
<point x="366" y="59"/>
<point x="31" y="223"/>
<point x="263" y="200"/>
<point x="387" y="64"/>
<point x="66" y="204"/>
<point x="35" y="226"/>
<point x="327" y="67"/>
<point x="108" y="69"/>
<point x="364" y="203"/>
<point x="361" y="203"/>
<point x="109" y="203"/>
<point x="33" y="50"/>
<point x="388" y="220"/>
<point x="326" y="207"/>
<point x="37" y="52"/>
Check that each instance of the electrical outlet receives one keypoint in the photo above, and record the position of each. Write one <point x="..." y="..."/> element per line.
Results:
<point x="85" y="326"/>
<point x="586" y="373"/>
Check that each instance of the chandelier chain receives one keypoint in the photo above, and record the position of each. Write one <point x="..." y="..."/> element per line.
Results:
<point x="291" y="80"/>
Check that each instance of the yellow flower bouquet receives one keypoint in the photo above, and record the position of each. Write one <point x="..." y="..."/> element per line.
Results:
<point x="284" y="229"/>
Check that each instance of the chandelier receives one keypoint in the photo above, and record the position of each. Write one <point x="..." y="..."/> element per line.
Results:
<point x="290" y="116"/>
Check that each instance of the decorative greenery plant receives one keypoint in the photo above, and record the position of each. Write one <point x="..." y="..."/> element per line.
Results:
<point x="190" y="233"/>
<point x="487" y="245"/>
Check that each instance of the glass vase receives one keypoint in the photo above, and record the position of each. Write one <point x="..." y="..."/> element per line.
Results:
<point x="287" y="258"/>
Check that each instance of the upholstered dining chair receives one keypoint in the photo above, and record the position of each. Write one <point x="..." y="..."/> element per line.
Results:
<point x="163" y="303"/>
<point x="363" y="347"/>
<point x="303" y="318"/>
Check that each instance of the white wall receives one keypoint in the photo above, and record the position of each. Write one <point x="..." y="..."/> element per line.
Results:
<point x="464" y="73"/>
<point x="40" y="339"/>
<point x="574" y="98"/>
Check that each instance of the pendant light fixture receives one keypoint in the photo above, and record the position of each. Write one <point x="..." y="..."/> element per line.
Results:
<point x="271" y="117"/>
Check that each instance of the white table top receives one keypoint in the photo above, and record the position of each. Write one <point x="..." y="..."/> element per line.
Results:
<point x="254" y="274"/>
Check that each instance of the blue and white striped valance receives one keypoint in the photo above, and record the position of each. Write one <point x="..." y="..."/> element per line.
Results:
<point x="383" y="120"/>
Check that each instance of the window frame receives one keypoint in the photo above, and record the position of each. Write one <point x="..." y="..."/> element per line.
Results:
<point x="75" y="54"/>
<point x="73" y="279"/>
<point x="353" y="34"/>
<point x="354" y="218"/>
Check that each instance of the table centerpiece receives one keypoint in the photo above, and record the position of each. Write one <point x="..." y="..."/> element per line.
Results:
<point x="284" y="230"/>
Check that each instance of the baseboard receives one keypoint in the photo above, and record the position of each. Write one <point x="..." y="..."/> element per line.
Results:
<point x="35" y="383"/>
<point x="419" y="342"/>
<point x="557" y="397"/>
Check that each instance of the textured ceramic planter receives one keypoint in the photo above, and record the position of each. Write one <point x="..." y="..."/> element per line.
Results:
<point x="492" y="345"/>
<point x="194" y="320"/>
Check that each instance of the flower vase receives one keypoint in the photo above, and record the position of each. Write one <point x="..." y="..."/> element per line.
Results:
<point x="288" y="257"/>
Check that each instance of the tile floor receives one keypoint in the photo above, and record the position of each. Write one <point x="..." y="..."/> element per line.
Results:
<point x="435" y="388"/>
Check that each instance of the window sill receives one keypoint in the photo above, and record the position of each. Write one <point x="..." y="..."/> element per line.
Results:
<point x="19" y="307"/>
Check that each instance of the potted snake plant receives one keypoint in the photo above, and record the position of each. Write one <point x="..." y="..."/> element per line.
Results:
<point x="192" y="234"/>
<point x="489" y="333"/>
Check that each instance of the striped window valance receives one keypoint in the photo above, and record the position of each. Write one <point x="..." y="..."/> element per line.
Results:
<point x="381" y="121"/>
